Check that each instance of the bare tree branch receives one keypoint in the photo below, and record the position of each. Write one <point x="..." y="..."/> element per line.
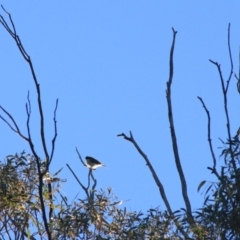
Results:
<point x="80" y="158"/>
<point x="174" y="138"/>
<point x="225" y="91"/>
<point x="84" y="188"/>
<point x="28" y="111"/>
<point x="27" y="58"/>
<point x="155" y="177"/>
<point x="37" y="85"/>
<point x="94" y="185"/>
<point x="40" y="172"/>
<point x="230" y="58"/>
<point x="48" y="162"/>
<point x="90" y="175"/>
<point x="238" y="77"/>
<point x="16" y="130"/>
<point x="84" y="164"/>
<point x="55" y="130"/>
<point x="175" y="150"/>
<point x="148" y="163"/>
<point x="13" y="33"/>
<point x="209" y="139"/>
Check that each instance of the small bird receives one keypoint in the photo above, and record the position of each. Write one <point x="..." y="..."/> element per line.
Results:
<point x="93" y="163"/>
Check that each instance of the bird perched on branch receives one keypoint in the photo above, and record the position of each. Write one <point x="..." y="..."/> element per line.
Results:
<point x="93" y="163"/>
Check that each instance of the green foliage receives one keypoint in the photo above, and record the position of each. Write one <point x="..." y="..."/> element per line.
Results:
<point x="19" y="197"/>
<point x="103" y="219"/>
<point x="97" y="216"/>
<point x="221" y="211"/>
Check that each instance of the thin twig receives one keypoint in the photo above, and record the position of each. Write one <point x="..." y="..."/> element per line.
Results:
<point x="63" y="198"/>
<point x="84" y="188"/>
<point x="209" y="139"/>
<point x="55" y="131"/>
<point x="17" y="130"/>
<point x="90" y="175"/>
<point x="80" y="158"/>
<point x="230" y="58"/>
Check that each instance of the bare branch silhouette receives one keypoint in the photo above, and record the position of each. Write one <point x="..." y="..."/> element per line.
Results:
<point x="174" y="138"/>
<point x="82" y="186"/>
<point x="90" y="174"/>
<point x="16" y="129"/>
<point x="148" y="163"/>
<point x="238" y="77"/>
<point x="55" y="130"/>
<point x="79" y="155"/>
<point x="89" y="192"/>
<point x="209" y="139"/>
<point x="13" y="33"/>
<point x="155" y="177"/>
<point x="27" y="58"/>
<point x="225" y="91"/>
<point x="175" y="150"/>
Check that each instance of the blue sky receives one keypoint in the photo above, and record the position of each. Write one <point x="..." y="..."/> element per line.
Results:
<point x="108" y="63"/>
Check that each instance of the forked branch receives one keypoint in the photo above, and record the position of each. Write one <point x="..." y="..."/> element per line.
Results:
<point x="16" y="129"/>
<point x="27" y="58"/>
<point x="10" y="28"/>
<point x="225" y="92"/>
<point x="90" y="176"/>
<point x="175" y="150"/>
